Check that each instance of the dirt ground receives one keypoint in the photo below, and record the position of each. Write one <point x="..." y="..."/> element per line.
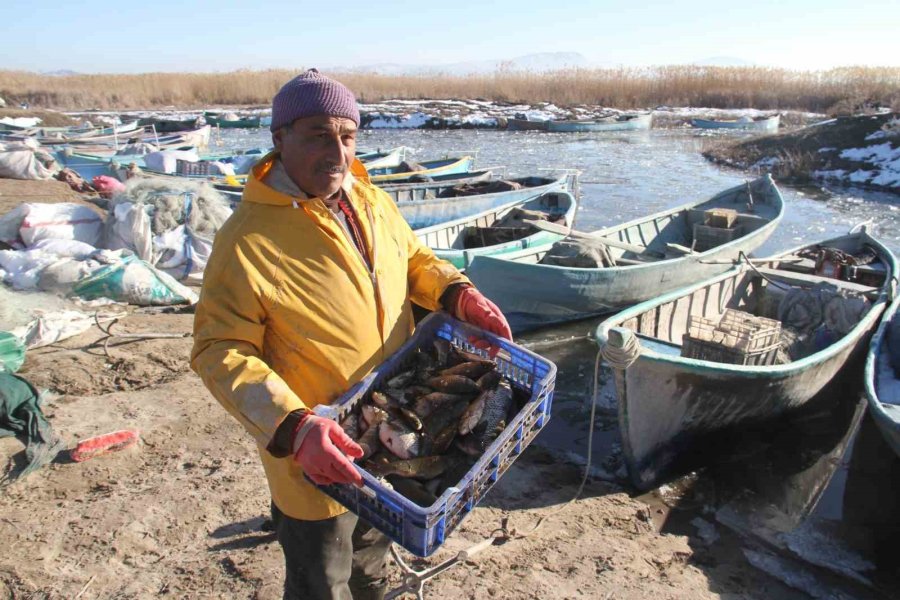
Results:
<point x="14" y="192"/>
<point x="182" y="514"/>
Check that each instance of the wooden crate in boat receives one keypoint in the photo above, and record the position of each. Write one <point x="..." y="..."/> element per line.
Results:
<point x="738" y="338"/>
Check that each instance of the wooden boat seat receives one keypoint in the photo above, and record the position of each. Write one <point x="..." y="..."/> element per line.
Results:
<point x="806" y="280"/>
<point x="658" y="345"/>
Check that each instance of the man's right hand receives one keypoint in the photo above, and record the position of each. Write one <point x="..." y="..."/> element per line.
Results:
<point x="322" y="450"/>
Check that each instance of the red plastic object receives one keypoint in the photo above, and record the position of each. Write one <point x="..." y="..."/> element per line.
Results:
<point x="102" y="444"/>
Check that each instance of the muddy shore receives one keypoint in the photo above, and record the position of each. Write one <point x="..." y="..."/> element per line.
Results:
<point x="183" y="514"/>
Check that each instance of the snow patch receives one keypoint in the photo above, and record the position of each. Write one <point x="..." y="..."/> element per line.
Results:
<point x="766" y="163"/>
<point x="396" y="121"/>
<point x="882" y="164"/>
<point x="20" y="121"/>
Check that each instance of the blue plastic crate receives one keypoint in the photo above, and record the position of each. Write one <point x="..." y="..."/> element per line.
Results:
<point x="422" y="530"/>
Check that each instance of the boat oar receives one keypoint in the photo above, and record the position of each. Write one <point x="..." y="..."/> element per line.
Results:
<point x="578" y="235"/>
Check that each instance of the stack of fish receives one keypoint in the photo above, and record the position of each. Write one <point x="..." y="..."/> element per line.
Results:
<point x="422" y="430"/>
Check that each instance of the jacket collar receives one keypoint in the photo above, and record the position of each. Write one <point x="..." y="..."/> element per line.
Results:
<point x="268" y="182"/>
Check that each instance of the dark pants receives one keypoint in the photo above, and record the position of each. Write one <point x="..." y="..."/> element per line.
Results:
<point x="341" y="558"/>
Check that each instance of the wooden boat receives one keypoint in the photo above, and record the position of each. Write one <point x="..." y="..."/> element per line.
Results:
<point x="420" y="190"/>
<point x="110" y="144"/>
<point x="400" y="192"/>
<point x="172" y="125"/>
<point x="448" y="204"/>
<point x="525" y="125"/>
<point x="219" y="120"/>
<point x="668" y="403"/>
<point x="532" y="294"/>
<point x="612" y="123"/>
<point x="881" y="382"/>
<point x="379" y="159"/>
<point x="755" y="124"/>
<point x="486" y="234"/>
<point x="81" y="136"/>
<point x="430" y="168"/>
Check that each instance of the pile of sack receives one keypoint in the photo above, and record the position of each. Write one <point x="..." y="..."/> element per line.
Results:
<point x="26" y="160"/>
<point x="156" y="234"/>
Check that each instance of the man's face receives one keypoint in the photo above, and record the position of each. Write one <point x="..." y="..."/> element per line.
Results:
<point x="317" y="152"/>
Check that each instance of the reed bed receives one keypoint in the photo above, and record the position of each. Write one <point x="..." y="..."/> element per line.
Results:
<point x="714" y="87"/>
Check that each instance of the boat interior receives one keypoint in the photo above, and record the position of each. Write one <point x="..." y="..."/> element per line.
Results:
<point x="456" y="188"/>
<point x="805" y="301"/>
<point x="689" y="230"/>
<point x="505" y="224"/>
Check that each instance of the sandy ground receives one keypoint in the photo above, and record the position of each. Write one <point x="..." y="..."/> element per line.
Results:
<point x="14" y="192"/>
<point x="181" y="515"/>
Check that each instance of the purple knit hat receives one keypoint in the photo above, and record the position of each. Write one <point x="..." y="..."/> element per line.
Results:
<point x="309" y="95"/>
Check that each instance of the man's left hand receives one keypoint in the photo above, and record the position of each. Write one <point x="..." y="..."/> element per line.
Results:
<point x="474" y="308"/>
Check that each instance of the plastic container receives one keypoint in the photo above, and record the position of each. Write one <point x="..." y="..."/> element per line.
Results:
<point x="738" y="338"/>
<point x="422" y="530"/>
<point x="200" y="168"/>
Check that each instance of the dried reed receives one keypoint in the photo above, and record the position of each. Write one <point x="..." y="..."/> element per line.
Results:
<point x="627" y="87"/>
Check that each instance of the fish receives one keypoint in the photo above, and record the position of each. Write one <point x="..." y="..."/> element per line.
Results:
<point x="387" y="399"/>
<point x="441" y="440"/>
<point x="489" y="380"/>
<point x="453" y="474"/>
<point x="453" y="384"/>
<point x="399" y="439"/>
<point x="416" y="391"/>
<point x="444" y="416"/>
<point x="493" y="420"/>
<point x="402" y="380"/>
<point x="427" y="404"/>
<point x="443" y="350"/>
<point x="374" y="417"/>
<point x="410" y="418"/>
<point x="471" y="369"/>
<point x="472" y="415"/>
<point x="412" y="490"/>
<point x="425" y="366"/>
<point x="458" y="355"/>
<point x="350" y="425"/>
<point x="422" y="467"/>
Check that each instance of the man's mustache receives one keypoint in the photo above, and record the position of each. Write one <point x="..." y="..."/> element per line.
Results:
<point x="332" y="169"/>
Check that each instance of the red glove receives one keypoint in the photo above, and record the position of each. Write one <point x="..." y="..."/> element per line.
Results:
<point x="321" y="448"/>
<point x="472" y="307"/>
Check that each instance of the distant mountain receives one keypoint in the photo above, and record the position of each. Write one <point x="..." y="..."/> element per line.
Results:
<point x="60" y="73"/>
<point x="535" y="63"/>
<point x="723" y="61"/>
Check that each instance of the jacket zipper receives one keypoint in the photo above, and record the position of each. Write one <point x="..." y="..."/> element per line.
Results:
<point x="373" y="277"/>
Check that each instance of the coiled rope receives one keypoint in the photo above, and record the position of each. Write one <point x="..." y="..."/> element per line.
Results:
<point x="620" y="351"/>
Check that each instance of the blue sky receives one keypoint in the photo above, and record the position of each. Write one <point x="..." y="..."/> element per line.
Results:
<point x="166" y="35"/>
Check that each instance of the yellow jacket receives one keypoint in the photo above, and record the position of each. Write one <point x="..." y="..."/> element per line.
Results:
<point x="290" y="315"/>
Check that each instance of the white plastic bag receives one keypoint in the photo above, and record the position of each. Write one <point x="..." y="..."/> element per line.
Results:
<point x="62" y="221"/>
<point x="182" y="253"/>
<point x="128" y="226"/>
<point x="24" y="161"/>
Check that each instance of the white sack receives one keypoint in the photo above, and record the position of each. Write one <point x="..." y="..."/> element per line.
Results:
<point x="21" y="161"/>
<point x="63" y="221"/>
<point x="165" y="161"/>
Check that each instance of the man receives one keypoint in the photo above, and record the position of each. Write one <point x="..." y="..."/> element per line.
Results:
<point x="308" y="288"/>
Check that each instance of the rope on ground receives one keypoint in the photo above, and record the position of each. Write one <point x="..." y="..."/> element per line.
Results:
<point x="511" y="534"/>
